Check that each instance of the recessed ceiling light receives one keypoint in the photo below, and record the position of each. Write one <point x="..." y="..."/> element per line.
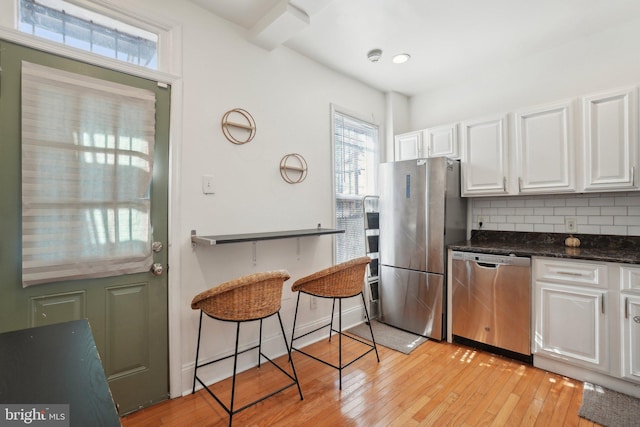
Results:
<point x="374" y="55"/>
<point x="401" y="58"/>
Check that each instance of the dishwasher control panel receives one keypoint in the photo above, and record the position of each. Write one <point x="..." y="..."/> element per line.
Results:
<point x="491" y="258"/>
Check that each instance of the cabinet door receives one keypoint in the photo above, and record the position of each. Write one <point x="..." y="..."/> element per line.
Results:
<point x="545" y="149"/>
<point x="630" y="305"/>
<point x="442" y="141"/>
<point x="610" y="140"/>
<point x="408" y="146"/>
<point x="484" y="156"/>
<point x="571" y="325"/>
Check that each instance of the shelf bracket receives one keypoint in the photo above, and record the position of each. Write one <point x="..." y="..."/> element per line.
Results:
<point x="254" y="253"/>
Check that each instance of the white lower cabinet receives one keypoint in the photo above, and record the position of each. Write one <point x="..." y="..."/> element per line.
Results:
<point x="630" y="336"/>
<point x="571" y="318"/>
<point x="587" y="321"/>
<point x="571" y="325"/>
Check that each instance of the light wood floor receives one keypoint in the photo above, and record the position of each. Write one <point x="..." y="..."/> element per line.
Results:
<point x="437" y="384"/>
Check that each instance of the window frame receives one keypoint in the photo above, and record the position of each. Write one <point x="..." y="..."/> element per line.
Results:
<point x="169" y="38"/>
<point x="343" y="111"/>
<point x="78" y="26"/>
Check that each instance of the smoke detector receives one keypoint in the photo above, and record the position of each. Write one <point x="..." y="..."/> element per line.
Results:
<point x="374" y="55"/>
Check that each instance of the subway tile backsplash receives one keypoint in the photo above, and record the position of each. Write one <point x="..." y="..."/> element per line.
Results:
<point x="599" y="213"/>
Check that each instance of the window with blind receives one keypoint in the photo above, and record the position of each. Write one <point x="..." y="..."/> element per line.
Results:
<point x="356" y="167"/>
<point x="87" y="164"/>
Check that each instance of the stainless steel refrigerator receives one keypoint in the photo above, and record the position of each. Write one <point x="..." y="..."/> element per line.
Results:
<point x="421" y="212"/>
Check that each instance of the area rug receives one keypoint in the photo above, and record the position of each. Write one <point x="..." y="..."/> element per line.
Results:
<point x="608" y="407"/>
<point x="388" y="336"/>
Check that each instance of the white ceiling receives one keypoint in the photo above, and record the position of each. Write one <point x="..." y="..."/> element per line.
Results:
<point x="448" y="40"/>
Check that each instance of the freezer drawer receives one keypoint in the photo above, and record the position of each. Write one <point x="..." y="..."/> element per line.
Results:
<point x="412" y="300"/>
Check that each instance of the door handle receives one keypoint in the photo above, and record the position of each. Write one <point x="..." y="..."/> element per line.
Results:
<point x="157" y="269"/>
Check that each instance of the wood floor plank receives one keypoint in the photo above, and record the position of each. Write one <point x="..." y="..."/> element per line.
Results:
<point x="437" y="384"/>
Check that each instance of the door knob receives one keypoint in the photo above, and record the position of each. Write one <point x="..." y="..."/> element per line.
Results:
<point x="156" y="246"/>
<point x="157" y="269"/>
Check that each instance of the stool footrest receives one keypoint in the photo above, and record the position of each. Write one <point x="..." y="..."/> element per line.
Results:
<point x="248" y="405"/>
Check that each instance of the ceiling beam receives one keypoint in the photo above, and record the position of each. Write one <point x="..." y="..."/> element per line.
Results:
<point x="278" y="25"/>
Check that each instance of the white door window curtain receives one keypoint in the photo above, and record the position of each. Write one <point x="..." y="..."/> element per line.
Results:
<point x="87" y="159"/>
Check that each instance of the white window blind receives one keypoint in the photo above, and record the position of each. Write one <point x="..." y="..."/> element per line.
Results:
<point x="356" y="165"/>
<point x="87" y="159"/>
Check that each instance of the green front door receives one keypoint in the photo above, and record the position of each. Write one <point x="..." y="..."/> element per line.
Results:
<point x="127" y="313"/>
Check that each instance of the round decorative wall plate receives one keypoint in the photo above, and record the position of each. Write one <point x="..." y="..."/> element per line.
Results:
<point x="293" y="168"/>
<point x="238" y="126"/>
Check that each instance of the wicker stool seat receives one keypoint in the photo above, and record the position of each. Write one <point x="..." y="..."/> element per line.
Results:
<point x="248" y="298"/>
<point x="344" y="280"/>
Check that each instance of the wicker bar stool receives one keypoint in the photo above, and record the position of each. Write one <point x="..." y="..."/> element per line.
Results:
<point x="248" y="298"/>
<point x="344" y="280"/>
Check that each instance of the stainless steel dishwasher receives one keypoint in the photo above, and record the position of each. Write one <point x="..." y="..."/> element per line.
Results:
<point x="491" y="302"/>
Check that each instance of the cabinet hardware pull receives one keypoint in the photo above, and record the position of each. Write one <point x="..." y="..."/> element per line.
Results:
<point x="519" y="185"/>
<point x="626" y="307"/>
<point x="570" y="273"/>
<point x="633" y="176"/>
<point x="504" y="183"/>
<point x="602" y="304"/>
<point x="636" y="319"/>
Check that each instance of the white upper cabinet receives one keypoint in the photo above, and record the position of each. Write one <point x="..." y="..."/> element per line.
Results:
<point x="484" y="156"/>
<point x="545" y="148"/>
<point x="409" y="146"/>
<point x="610" y="140"/>
<point x="442" y="141"/>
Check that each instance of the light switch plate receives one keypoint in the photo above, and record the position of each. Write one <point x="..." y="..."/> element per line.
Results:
<point x="207" y="184"/>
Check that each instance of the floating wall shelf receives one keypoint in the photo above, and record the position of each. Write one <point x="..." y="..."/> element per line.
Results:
<point x="253" y="237"/>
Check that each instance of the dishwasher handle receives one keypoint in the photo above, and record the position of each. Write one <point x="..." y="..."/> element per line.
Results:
<point x="486" y="264"/>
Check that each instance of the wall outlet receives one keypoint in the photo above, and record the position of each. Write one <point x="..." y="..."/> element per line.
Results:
<point x="571" y="225"/>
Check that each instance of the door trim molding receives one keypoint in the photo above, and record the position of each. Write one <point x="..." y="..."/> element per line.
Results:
<point x="174" y="52"/>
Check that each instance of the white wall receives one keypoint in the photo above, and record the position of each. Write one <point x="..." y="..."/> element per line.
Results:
<point x="397" y="121"/>
<point x="602" y="61"/>
<point x="290" y="98"/>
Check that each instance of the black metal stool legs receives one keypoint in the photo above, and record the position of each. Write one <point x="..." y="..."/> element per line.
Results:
<point x="195" y="370"/>
<point x="231" y="409"/>
<point x="340" y="341"/>
<point x="341" y="364"/>
<point x="235" y="370"/>
<point x="293" y="368"/>
<point x="366" y="313"/>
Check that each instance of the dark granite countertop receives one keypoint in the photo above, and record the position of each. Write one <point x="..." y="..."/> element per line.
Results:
<point x="606" y="248"/>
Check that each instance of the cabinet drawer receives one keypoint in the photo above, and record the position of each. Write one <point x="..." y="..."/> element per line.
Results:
<point x="570" y="272"/>
<point x="630" y="278"/>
